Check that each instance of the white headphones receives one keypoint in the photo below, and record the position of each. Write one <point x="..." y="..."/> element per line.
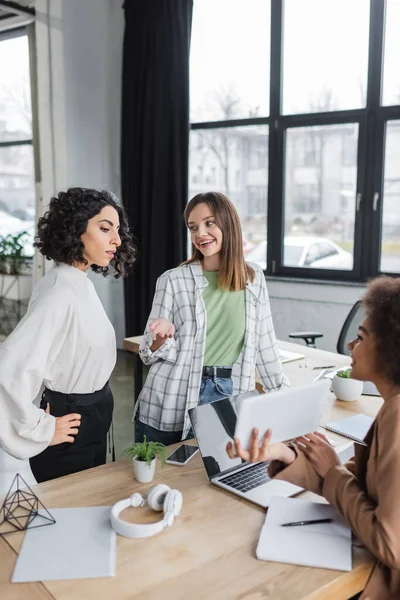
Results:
<point x="160" y="497"/>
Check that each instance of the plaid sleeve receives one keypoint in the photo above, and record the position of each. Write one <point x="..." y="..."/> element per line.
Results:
<point x="268" y="363"/>
<point x="163" y="306"/>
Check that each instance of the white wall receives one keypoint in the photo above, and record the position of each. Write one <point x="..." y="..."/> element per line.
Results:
<point x="309" y="306"/>
<point x="93" y="36"/>
<point x="79" y="108"/>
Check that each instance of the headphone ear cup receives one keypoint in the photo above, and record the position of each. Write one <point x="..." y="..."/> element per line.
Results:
<point x="156" y="496"/>
<point x="173" y="502"/>
<point x="136" y="500"/>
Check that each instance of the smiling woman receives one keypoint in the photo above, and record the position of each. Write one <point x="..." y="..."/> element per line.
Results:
<point x="366" y="489"/>
<point x="210" y="326"/>
<point x="65" y="341"/>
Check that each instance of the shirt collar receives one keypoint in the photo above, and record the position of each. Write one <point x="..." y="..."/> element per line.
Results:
<point x="201" y="282"/>
<point x="197" y="272"/>
<point x="71" y="271"/>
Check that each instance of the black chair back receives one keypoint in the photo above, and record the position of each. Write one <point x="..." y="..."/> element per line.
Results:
<point x="350" y="328"/>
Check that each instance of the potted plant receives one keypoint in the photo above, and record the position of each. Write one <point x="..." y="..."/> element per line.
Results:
<point x="15" y="279"/>
<point x="144" y="455"/>
<point x="14" y="263"/>
<point x="345" y="388"/>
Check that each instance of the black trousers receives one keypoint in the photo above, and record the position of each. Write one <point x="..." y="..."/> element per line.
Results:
<point x="90" y="446"/>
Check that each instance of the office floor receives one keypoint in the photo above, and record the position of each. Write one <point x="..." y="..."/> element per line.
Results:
<point x="122" y="385"/>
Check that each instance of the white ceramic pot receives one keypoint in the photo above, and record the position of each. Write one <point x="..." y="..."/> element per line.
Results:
<point x="347" y="389"/>
<point x="144" y="472"/>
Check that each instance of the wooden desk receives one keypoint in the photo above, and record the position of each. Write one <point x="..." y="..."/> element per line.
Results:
<point x="210" y="550"/>
<point x="132" y="345"/>
<point x="301" y="369"/>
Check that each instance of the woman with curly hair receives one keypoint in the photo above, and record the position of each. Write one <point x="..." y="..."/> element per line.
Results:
<point x="366" y="490"/>
<point x="65" y="341"/>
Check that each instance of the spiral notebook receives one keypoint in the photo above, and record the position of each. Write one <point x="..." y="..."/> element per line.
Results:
<point x="355" y="428"/>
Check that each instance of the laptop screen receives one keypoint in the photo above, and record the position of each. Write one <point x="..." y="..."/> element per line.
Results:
<point x="214" y="426"/>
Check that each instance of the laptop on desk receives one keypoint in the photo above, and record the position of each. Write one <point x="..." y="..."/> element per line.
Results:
<point x="214" y="426"/>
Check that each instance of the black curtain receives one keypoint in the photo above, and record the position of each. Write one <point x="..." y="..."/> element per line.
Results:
<point x="154" y="142"/>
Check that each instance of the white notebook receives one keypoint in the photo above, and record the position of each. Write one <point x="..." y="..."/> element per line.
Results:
<point x="355" y="427"/>
<point x="323" y="545"/>
<point x="81" y="544"/>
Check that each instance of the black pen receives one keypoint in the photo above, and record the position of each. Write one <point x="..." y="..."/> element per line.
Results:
<point x="296" y="523"/>
<point x="326" y="367"/>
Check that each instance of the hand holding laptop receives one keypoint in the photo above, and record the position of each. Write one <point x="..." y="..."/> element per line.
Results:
<point x="263" y="452"/>
<point x="314" y="446"/>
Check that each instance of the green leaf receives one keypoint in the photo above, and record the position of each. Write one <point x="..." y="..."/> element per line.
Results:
<point x="344" y="373"/>
<point x="147" y="451"/>
<point x="12" y="256"/>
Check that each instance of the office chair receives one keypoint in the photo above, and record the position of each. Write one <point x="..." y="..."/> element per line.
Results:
<point x="348" y="332"/>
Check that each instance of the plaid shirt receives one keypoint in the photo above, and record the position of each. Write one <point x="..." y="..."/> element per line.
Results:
<point x="173" y="383"/>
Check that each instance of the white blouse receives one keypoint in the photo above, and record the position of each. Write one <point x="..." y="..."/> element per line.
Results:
<point x="65" y="342"/>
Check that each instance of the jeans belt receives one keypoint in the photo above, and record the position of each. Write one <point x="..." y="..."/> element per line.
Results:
<point x="217" y="372"/>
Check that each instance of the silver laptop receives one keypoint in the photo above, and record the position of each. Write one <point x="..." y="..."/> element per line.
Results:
<point x="214" y="426"/>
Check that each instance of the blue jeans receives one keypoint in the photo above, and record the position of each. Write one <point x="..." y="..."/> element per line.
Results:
<point x="215" y="388"/>
<point x="211" y="389"/>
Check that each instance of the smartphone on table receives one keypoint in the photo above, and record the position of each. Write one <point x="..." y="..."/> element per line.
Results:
<point x="182" y="454"/>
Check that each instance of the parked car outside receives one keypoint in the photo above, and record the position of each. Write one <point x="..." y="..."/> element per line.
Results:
<point x="306" y="251"/>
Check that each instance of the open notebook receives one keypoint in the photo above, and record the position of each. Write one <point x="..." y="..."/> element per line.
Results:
<point x="355" y="428"/>
<point x="324" y="545"/>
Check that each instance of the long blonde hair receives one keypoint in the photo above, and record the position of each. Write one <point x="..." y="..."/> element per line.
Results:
<point x="234" y="272"/>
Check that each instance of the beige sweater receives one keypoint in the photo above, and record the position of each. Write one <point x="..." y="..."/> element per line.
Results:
<point x="366" y="491"/>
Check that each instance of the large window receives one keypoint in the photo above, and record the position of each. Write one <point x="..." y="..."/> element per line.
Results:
<point x="325" y="55"/>
<point x="320" y="195"/>
<point x="234" y="160"/>
<point x="295" y="109"/>
<point x="390" y="244"/>
<point x="229" y="46"/>
<point x="17" y="184"/>
<point x="391" y="72"/>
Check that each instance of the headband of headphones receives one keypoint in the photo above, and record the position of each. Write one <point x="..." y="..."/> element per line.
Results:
<point x="160" y="498"/>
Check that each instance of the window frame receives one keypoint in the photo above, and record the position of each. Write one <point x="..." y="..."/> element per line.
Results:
<point x="371" y="121"/>
<point x="8" y="34"/>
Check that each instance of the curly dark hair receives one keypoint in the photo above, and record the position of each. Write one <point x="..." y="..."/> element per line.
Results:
<point x="382" y="303"/>
<point x="60" y="229"/>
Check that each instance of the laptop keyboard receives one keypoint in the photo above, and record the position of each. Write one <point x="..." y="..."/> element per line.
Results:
<point x="248" y="479"/>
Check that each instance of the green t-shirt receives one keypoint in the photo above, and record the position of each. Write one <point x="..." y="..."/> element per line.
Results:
<point x="226" y="323"/>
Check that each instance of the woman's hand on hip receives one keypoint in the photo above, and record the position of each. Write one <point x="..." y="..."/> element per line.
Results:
<point x="67" y="428"/>
<point x="260" y="452"/>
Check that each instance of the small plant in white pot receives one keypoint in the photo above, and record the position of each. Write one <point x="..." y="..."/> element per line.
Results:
<point x="144" y="455"/>
<point x="345" y="388"/>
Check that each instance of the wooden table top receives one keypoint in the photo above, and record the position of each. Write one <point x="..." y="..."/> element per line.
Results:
<point x="132" y="343"/>
<point x="209" y="552"/>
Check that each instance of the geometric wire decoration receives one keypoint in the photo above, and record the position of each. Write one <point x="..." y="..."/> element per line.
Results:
<point x="21" y="508"/>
